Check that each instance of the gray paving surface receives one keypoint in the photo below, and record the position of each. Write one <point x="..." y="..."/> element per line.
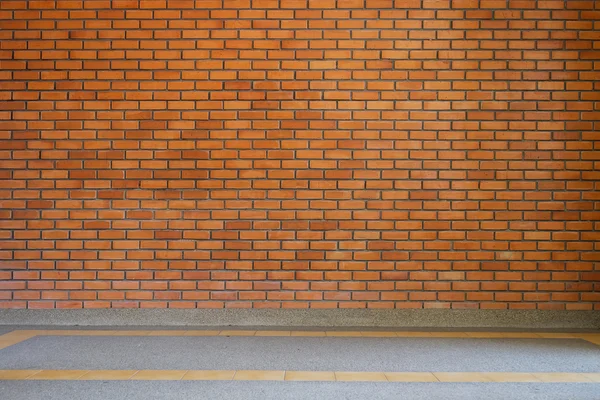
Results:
<point x="64" y="390"/>
<point x="4" y="330"/>
<point x="7" y="328"/>
<point x="309" y="317"/>
<point x="300" y="353"/>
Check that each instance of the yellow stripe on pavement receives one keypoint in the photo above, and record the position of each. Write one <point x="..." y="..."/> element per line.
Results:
<point x="303" y="333"/>
<point x="17" y="336"/>
<point x="307" y="376"/>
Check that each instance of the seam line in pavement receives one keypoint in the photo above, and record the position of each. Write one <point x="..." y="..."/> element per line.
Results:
<point x="306" y="376"/>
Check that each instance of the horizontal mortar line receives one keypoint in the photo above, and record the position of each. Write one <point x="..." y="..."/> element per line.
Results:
<point x="312" y="376"/>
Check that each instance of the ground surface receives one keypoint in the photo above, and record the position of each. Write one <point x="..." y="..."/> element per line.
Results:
<point x="537" y="366"/>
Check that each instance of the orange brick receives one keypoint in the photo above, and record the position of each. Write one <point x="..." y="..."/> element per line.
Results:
<point x="298" y="153"/>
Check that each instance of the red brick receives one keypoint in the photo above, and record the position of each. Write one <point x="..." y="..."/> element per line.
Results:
<point x="300" y="153"/>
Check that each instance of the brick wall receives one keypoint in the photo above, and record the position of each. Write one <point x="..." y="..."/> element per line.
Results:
<point x="300" y="154"/>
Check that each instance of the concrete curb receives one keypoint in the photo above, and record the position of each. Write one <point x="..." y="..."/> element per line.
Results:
<point x="538" y="319"/>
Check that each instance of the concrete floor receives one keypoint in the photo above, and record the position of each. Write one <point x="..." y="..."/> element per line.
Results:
<point x="303" y="354"/>
<point x="401" y="354"/>
<point x="63" y="390"/>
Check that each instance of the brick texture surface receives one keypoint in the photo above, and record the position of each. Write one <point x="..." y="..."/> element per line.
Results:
<point x="300" y="154"/>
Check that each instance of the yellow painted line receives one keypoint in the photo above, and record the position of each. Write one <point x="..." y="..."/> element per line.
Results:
<point x="58" y="374"/>
<point x="555" y="377"/>
<point x="273" y="333"/>
<point x="414" y="334"/>
<point x="257" y="375"/>
<point x="410" y="377"/>
<point x="448" y="335"/>
<point x="360" y="377"/>
<point x="511" y="377"/>
<point x="556" y="335"/>
<point x="237" y="333"/>
<point x="461" y="377"/>
<point x="109" y="375"/>
<point x="593" y="376"/>
<point x="25" y="334"/>
<point x="14" y="337"/>
<point x="88" y="333"/>
<point x="342" y="334"/>
<point x="208" y="375"/>
<point x="18" y="336"/>
<point x="378" y="334"/>
<point x="167" y="333"/>
<point x="587" y="336"/>
<point x="159" y="375"/>
<point x="123" y="333"/>
<point x="310" y="376"/>
<point x="17" y="374"/>
<point x="202" y="333"/>
<point x="520" y="335"/>
<point x="309" y="333"/>
<point x="485" y="335"/>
